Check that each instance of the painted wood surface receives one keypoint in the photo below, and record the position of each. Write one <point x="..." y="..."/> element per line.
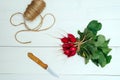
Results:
<point x="70" y="15"/>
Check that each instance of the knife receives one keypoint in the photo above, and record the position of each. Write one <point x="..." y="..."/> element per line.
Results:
<point x="42" y="64"/>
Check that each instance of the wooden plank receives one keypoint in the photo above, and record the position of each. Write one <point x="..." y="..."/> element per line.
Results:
<point x="67" y="21"/>
<point x="15" y="60"/>
<point x="49" y="77"/>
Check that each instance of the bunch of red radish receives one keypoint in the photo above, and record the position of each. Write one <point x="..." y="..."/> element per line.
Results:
<point x="68" y="45"/>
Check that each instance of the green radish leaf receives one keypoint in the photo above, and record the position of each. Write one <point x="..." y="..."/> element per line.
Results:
<point x="94" y="47"/>
<point x="94" y="26"/>
<point x="109" y="58"/>
<point x="102" y="60"/>
<point x="100" y="40"/>
<point x="95" y="61"/>
<point x="106" y="50"/>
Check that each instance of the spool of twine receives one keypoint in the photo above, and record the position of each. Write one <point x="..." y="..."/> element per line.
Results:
<point x="34" y="9"/>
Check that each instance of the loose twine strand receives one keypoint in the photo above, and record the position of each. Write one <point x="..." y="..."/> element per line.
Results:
<point x="79" y="43"/>
<point x="32" y="11"/>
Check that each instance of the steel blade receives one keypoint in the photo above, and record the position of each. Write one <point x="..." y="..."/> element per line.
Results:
<point x="52" y="72"/>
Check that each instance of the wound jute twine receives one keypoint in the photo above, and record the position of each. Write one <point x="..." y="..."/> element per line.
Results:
<point x="32" y="11"/>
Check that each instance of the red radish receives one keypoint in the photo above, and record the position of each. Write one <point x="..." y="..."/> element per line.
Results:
<point x="64" y="40"/>
<point x="73" y="49"/>
<point x="71" y="44"/>
<point x="66" y="52"/>
<point x="72" y="38"/>
<point x="68" y="45"/>
<point x="72" y="53"/>
<point x="65" y="46"/>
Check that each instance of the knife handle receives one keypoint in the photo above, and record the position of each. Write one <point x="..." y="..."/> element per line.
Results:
<point x="37" y="60"/>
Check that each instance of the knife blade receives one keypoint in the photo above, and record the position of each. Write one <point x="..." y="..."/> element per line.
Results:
<point x="42" y="64"/>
